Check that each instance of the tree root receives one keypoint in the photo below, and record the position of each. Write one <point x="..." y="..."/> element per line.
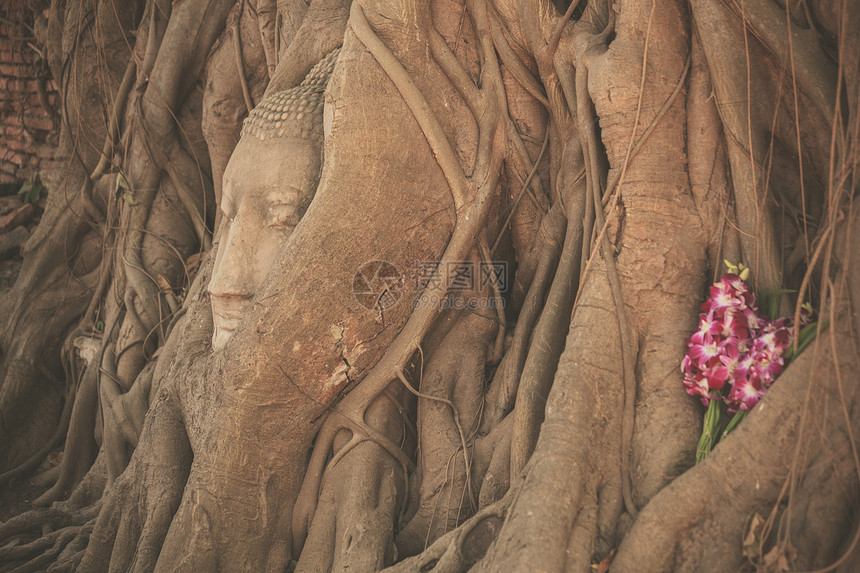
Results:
<point x="50" y="530"/>
<point x="548" y="337"/>
<point x="503" y="390"/>
<point x="360" y="497"/>
<point x="448" y="411"/>
<point x="458" y="550"/>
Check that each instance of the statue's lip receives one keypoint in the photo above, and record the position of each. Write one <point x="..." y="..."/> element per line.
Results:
<point x="228" y="319"/>
<point x="228" y="315"/>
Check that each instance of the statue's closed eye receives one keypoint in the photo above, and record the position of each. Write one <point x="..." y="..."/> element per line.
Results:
<point x="284" y="215"/>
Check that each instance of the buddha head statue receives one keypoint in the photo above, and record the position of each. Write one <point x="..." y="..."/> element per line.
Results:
<point x="268" y="184"/>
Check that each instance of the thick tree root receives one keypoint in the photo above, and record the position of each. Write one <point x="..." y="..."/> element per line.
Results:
<point x="458" y="550"/>
<point x="35" y="539"/>
<point x="368" y="483"/>
<point x="449" y="406"/>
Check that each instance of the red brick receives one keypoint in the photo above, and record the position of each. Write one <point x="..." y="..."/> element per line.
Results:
<point x="16" y="158"/>
<point x="21" y="57"/>
<point x="13" y="55"/>
<point x="16" y="84"/>
<point x="40" y="123"/>
<point x="12" y="70"/>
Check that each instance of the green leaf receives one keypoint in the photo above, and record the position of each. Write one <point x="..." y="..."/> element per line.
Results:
<point x="807" y="335"/>
<point x="733" y="423"/>
<point x="121" y="185"/>
<point x="769" y="301"/>
<point x="31" y="190"/>
<point x="129" y="198"/>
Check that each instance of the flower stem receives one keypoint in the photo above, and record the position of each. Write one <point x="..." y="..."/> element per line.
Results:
<point x="710" y="430"/>
<point x="736" y="419"/>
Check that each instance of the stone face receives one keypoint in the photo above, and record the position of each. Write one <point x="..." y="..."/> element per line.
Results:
<point x="262" y="206"/>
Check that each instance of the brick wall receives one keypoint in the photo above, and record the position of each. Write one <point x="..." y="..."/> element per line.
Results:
<point x="27" y="130"/>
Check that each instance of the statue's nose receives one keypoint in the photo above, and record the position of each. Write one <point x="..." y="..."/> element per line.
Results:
<point x="233" y="275"/>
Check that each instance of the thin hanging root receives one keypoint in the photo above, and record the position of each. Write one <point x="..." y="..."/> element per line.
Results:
<point x="521" y="193"/>
<point x="587" y="122"/>
<point x="804" y="285"/>
<point x="306" y="501"/>
<point x="552" y="45"/>
<point x="601" y="242"/>
<point x="455" y="414"/>
<point x="520" y="159"/>
<point x="456" y="74"/>
<point x="462" y="239"/>
<point x="181" y="169"/>
<point x="520" y="72"/>
<point x="113" y="128"/>
<point x="499" y="344"/>
<point x="549" y="336"/>
<point x="616" y="179"/>
<point x="361" y="432"/>
<point x="504" y="390"/>
<point x="418" y="104"/>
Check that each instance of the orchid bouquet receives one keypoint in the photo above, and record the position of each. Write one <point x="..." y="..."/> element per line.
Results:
<point x="736" y="354"/>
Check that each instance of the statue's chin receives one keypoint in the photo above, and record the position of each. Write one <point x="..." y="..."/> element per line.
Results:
<point x="220" y="338"/>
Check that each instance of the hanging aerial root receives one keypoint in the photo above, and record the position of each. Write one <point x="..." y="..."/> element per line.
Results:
<point x="504" y="388"/>
<point x="548" y="338"/>
<point x="117" y="112"/>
